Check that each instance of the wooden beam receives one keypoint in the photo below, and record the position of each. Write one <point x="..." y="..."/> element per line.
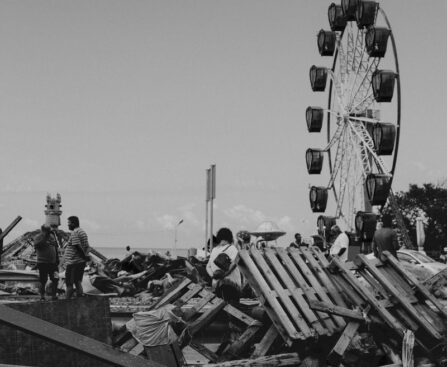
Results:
<point x="269" y="295"/>
<point x="336" y="355"/>
<point x="383" y="312"/>
<point x="336" y="310"/>
<point x="206" y="317"/>
<point x="173" y="294"/>
<point x="69" y="339"/>
<point x="406" y="304"/>
<point x="204" y="351"/>
<point x="284" y="297"/>
<point x="423" y="290"/>
<point x="262" y="348"/>
<point x="241" y="344"/>
<point x="287" y="359"/>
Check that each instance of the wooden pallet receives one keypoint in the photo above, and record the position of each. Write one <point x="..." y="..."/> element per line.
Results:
<point x="286" y="281"/>
<point x="394" y="295"/>
<point x="201" y="307"/>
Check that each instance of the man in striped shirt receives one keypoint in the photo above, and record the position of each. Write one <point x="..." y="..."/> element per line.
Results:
<point x="76" y="255"/>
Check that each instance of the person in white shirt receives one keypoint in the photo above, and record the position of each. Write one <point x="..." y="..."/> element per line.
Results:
<point x="226" y="277"/>
<point x="340" y="246"/>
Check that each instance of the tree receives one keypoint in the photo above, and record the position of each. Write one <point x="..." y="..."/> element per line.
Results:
<point x="430" y="203"/>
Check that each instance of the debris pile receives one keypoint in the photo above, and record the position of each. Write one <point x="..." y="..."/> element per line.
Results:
<point x="305" y="310"/>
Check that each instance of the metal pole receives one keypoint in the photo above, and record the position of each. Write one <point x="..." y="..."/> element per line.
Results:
<point x="212" y="196"/>
<point x="207" y="198"/>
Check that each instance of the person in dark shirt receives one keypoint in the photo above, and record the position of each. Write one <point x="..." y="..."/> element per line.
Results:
<point x="385" y="238"/>
<point x="46" y="247"/>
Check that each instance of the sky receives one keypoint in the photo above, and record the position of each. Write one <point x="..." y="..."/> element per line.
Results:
<point x="121" y="106"/>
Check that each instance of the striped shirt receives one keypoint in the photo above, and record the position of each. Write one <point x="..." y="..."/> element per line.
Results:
<point x="76" y="246"/>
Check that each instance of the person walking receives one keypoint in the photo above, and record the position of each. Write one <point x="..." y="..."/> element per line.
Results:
<point x="385" y="238"/>
<point x="76" y="256"/>
<point x="46" y="246"/>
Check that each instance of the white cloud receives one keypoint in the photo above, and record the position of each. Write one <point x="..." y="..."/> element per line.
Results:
<point x="245" y="215"/>
<point x="285" y="223"/>
<point x="188" y="215"/>
<point x="167" y="221"/>
<point x="89" y="225"/>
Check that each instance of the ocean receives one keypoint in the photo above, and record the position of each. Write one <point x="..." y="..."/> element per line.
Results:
<point x="120" y="252"/>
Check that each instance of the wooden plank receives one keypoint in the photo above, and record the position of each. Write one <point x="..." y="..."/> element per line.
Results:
<point x="206" y="317"/>
<point x="233" y="311"/>
<point x="269" y="296"/>
<point x="400" y="298"/>
<point x="295" y="314"/>
<point x="137" y="350"/>
<point x="271" y="313"/>
<point x="296" y="293"/>
<point x="128" y="345"/>
<point x="173" y="294"/>
<point x="308" y="291"/>
<point x="401" y="285"/>
<point x="337" y="310"/>
<point x="204" y="351"/>
<point x="295" y="253"/>
<point x="194" y="289"/>
<point x="199" y="305"/>
<point x="69" y="339"/>
<point x="423" y="290"/>
<point x="241" y="344"/>
<point x="336" y="354"/>
<point x="262" y="348"/>
<point x="323" y="278"/>
<point x="287" y="359"/>
<point x="383" y="312"/>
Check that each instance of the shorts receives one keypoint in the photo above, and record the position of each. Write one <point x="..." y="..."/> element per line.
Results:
<point x="74" y="273"/>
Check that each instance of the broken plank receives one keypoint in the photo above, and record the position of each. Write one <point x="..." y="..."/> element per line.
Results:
<point x="308" y="291"/>
<point x="199" y="305"/>
<point x="383" y="312"/>
<point x="204" y="351"/>
<point x="406" y="304"/>
<point x="248" y="320"/>
<point x="193" y="290"/>
<point x="423" y="290"/>
<point x="206" y="317"/>
<point x="323" y="278"/>
<point x="337" y="310"/>
<point x="241" y="344"/>
<point x="137" y="350"/>
<point x="296" y="256"/>
<point x="295" y="314"/>
<point x="296" y="293"/>
<point x="272" y="315"/>
<point x="269" y="295"/>
<point x="69" y="339"/>
<point x="287" y="359"/>
<point x="262" y="348"/>
<point x="336" y="355"/>
<point x="173" y="294"/>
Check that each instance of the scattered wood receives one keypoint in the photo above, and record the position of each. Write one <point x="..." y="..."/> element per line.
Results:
<point x="287" y="359"/>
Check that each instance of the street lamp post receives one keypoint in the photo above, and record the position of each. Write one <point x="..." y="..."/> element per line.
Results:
<point x="175" y="238"/>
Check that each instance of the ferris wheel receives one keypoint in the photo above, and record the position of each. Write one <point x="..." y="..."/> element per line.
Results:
<point x="362" y="116"/>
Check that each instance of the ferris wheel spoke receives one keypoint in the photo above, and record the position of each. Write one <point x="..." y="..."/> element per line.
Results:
<point x="361" y="154"/>
<point x="338" y="156"/>
<point x="359" y="129"/>
<point x="338" y="90"/>
<point x="343" y="66"/>
<point x="365" y="85"/>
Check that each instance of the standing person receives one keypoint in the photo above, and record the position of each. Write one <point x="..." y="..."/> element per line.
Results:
<point x="385" y="238"/>
<point x="243" y="240"/>
<point x="76" y="256"/>
<point x="222" y="267"/>
<point x="298" y="241"/>
<point x="340" y="246"/>
<point x="46" y="247"/>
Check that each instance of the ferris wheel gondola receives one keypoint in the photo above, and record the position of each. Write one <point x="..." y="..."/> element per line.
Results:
<point x="362" y="114"/>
